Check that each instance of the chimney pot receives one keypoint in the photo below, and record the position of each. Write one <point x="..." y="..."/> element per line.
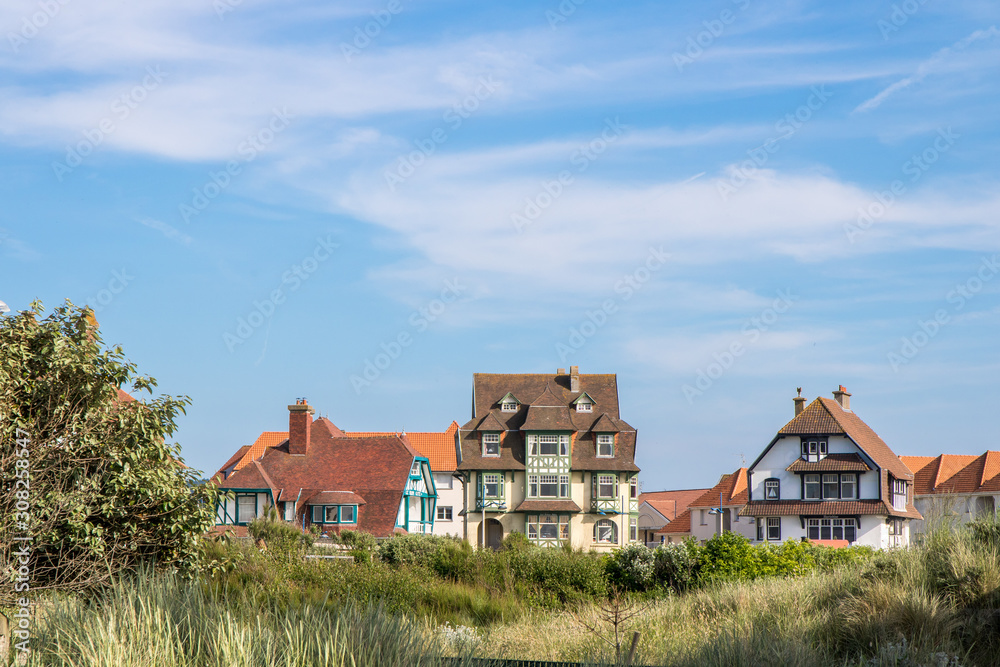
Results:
<point x="299" y="426"/>
<point x="800" y="402"/>
<point x="843" y="397"/>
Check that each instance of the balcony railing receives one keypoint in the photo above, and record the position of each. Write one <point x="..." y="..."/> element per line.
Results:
<point x="606" y="505"/>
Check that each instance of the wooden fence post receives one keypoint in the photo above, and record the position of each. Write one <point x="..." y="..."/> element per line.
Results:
<point x="631" y="651"/>
<point x="4" y="640"/>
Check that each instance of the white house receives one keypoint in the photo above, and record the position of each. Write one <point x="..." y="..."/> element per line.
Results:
<point x="955" y="487"/>
<point x="827" y="475"/>
<point x="715" y="511"/>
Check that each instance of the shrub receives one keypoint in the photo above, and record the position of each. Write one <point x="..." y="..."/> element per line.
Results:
<point x="677" y="566"/>
<point x="730" y="557"/>
<point x="632" y="568"/>
<point x="358" y="539"/>
<point x="282" y="538"/>
<point x="515" y="541"/>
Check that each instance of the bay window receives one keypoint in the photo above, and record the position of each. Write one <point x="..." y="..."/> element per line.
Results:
<point x="831" y="486"/>
<point x="832" y="529"/>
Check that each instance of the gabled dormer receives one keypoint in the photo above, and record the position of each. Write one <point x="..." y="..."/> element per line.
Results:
<point x="509" y="403"/>
<point x="584" y="403"/>
<point x="490" y="431"/>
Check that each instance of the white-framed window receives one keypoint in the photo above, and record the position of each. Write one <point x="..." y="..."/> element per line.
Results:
<point x="774" y="528"/>
<point x="508" y="406"/>
<point x="606" y="531"/>
<point x="548" y="445"/>
<point x="633" y="488"/>
<point x="849" y="486"/>
<point x="548" y="527"/>
<point x="491" y="485"/>
<point x="760" y="529"/>
<point x="532" y="486"/>
<point x="899" y="494"/>
<point x="415" y="469"/>
<point x="813" y="450"/>
<point x="491" y="444"/>
<point x="832" y="528"/>
<point x="605" y="445"/>
<point x="896" y="532"/>
<point x="548" y="486"/>
<point x="564" y="486"/>
<point x="772" y="489"/>
<point x="444" y="513"/>
<point x="831" y="486"/>
<point x="584" y="406"/>
<point x="633" y="529"/>
<point x="812" y="488"/>
<point x="348" y="514"/>
<point x="606" y="486"/>
<point x="246" y="508"/>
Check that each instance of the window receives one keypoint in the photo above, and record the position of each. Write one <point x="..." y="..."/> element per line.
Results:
<point x="491" y="444"/>
<point x="606" y="531"/>
<point x="606" y="445"/>
<point x="606" y="486"/>
<point x="415" y="469"/>
<point x="703" y="517"/>
<point x="548" y="445"/>
<point x="760" y="530"/>
<point x="771" y="489"/>
<point x="811" y="487"/>
<point x="774" y="528"/>
<point x="564" y="486"/>
<point x="583" y="406"/>
<point x="813" y="450"/>
<point x="832" y="529"/>
<point x="633" y="529"/>
<point x="508" y="406"/>
<point x="532" y="486"/>
<point x="444" y="513"/>
<point x="831" y="486"/>
<point x="898" y="494"/>
<point x="548" y="527"/>
<point x="548" y="486"/>
<point x="633" y="488"/>
<point x="246" y="508"/>
<point x="491" y="485"/>
<point x="895" y="532"/>
<point x="348" y="514"/>
<point x="330" y="514"/>
<point x="849" y="486"/>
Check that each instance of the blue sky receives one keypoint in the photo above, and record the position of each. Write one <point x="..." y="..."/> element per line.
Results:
<point x="718" y="201"/>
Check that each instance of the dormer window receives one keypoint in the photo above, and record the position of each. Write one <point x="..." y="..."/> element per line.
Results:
<point x="509" y="403"/>
<point x="899" y="495"/>
<point x="584" y="407"/>
<point x="584" y="403"/>
<point x="813" y="449"/>
<point x="415" y="469"/>
<point x="605" y="445"/>
<point x="491" y="444"/>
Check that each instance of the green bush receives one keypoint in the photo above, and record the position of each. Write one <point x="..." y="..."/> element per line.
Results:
<point x="676" y="566"/>
<point x="632" y="568"/>
<point x="282" y="538"/>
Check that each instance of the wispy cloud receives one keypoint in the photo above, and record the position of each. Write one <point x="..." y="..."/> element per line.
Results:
<point x="169" y="231"/>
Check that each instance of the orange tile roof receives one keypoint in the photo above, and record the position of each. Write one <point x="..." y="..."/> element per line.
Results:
<point x="264" y="441"/>
<point x="439" y="448"/>
<point x="955" y="473"/>
<point x="671" y="503"/>
<point x="732" y="487"/>
<point x="679" y="526"/>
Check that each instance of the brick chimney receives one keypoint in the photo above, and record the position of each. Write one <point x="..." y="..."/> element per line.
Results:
<point x="574" y="379"/>
<point x="843" y="397"/>
<point x="299" y="426"/>
<point x="560" y="371"/>
<point x="800" y="402"/>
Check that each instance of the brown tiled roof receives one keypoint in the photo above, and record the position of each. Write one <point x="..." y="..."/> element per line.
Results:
<point x="824" y="416"/>
<point x="439" y="448"/>
<point x="841" y="462"/>
<point x="550" y="410"/>
<point x="333" y="498"/>
<point x="824" y="507"/>
<point x="605" y="425"/>
<point x="232" y="459"/>
<point x="490" y="423"/>
<point x="671" y="503"/>
<point x="375" y="468"/>
<point x="679" y="526"/>
<point x="732" y="487"/>
<point x="955" y="473"/>
<point x="547" y="506"/>
<point x="123" y="396"/>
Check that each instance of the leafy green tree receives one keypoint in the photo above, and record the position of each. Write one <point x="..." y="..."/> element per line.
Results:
<point x="85" y="470"/>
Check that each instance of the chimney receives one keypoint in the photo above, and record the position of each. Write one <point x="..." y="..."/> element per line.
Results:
<point x="800" y="402"/>
<point x="574" y="379"/>
<point x="843" y="397"/>
<point x="299" y="426"/>
<point x="560" y="371"/>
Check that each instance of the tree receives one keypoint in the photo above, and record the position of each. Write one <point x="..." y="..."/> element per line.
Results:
<point x="85" y="470"/>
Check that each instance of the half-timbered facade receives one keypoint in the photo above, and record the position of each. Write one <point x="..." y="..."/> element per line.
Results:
<point x="315" y="474"/>
<point x="548" y="456"/>
<point x="827" y="476"/>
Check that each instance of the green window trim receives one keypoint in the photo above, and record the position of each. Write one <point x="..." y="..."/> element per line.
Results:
<point x="321" y="514"/>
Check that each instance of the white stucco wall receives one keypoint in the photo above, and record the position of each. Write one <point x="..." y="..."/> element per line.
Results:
<point x="449" y="491"/>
